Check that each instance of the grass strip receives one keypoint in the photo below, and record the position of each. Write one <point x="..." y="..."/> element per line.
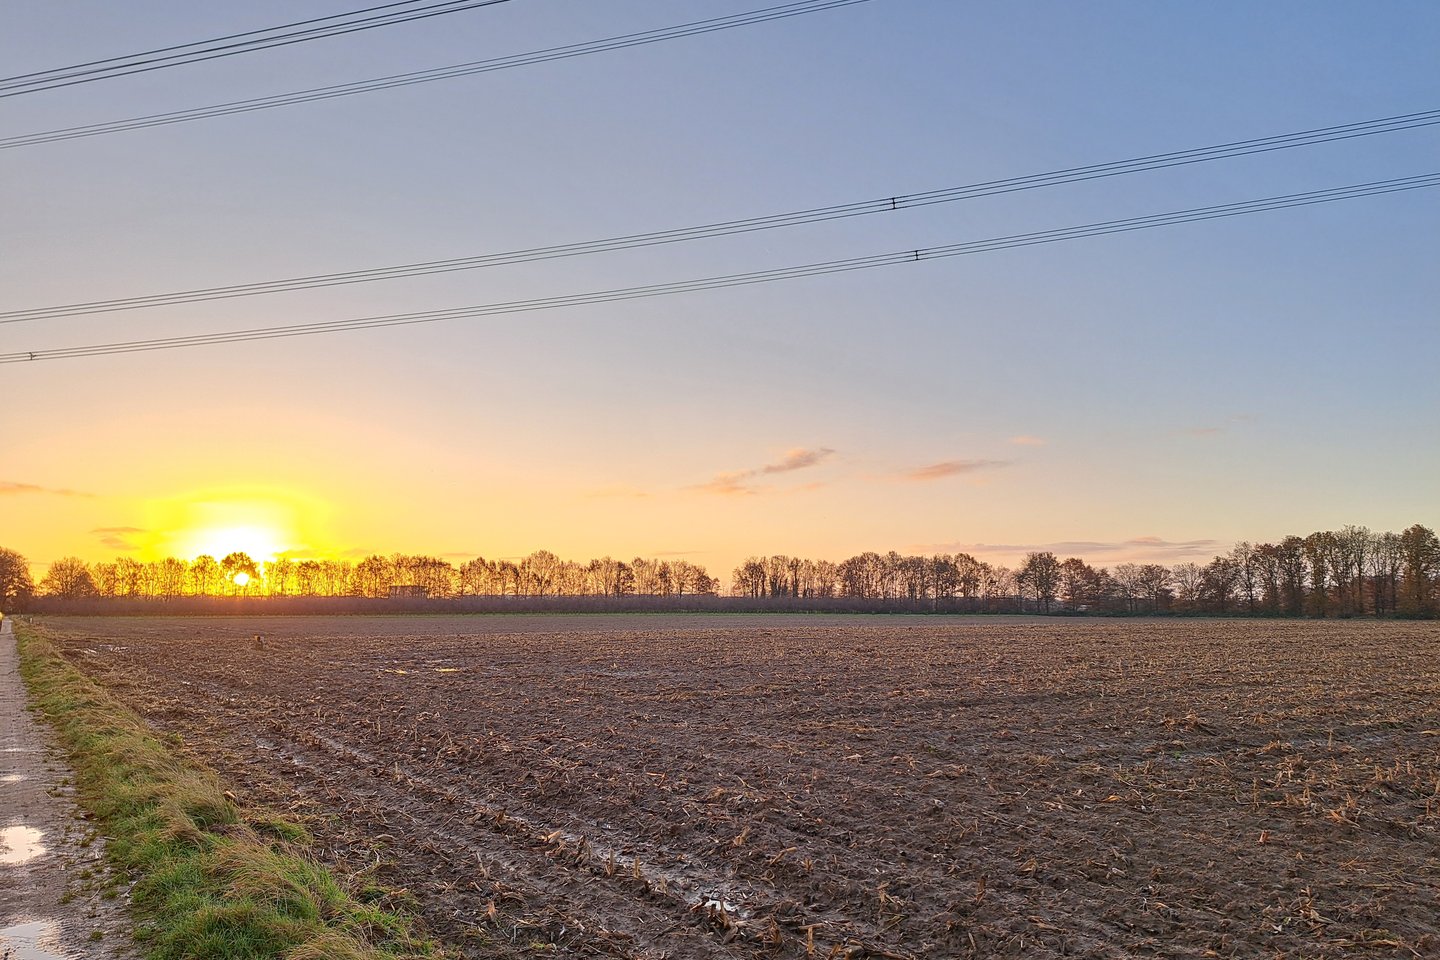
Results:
<point x="211" y="880"/>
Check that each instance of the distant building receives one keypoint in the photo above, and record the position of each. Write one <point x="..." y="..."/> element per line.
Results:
<point x="400" y="590"/>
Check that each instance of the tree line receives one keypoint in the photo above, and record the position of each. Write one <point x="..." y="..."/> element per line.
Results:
<point x="1348" y="572"/>
<point x="236" y="574"/>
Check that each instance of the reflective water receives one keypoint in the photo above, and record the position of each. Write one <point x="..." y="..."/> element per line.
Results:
<point x="20" y="844"/>
<point x="39" y="940"/>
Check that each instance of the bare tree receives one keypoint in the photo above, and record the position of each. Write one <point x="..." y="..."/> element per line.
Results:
<point x="68" y="577"/>
<point x="1129" y="586"/>
<point x="204" y="575"/>
<point x="1155" y="580"/>
<point x="1320" y="552"/>
<point x="1217" y="583"/>
<point x="280" y="577"/>
<point x="1041" y="574"/>
<point x="1420" y="562"/>
<point x="1247" y="580"/>
<point x="749" y="578"/>
<point x="16" y="585"/>
<point x="1353" y="546"/>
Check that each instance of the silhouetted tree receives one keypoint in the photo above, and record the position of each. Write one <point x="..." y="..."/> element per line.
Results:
<point x="16" y="585"/>
<point x="1419" y="563"/>
<point x="1040" y="573"/>
<point x="69" y="577"/>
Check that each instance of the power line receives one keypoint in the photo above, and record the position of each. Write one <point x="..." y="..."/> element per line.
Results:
<point x="1012" y="241"/>
<point x="695" y="28"/>
<point x="731" y="227"/>
<point x="232" y="45"/>
<point x="41" y="74"/>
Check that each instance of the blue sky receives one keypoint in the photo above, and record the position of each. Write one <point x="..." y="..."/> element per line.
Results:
<point x="1236" y="379"/>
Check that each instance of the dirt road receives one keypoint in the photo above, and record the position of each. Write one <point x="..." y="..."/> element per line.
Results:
<point x="46" y="849"/>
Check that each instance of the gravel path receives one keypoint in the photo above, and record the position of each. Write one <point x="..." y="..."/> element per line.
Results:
<point x="46" y="849"/>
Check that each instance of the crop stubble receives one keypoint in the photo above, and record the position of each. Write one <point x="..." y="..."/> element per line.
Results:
<point x="836" y="786"/>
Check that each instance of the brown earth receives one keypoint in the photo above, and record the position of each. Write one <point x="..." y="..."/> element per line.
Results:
<point x="669" y="786"/>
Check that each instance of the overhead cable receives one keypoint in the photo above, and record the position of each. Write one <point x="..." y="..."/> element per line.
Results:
<point x="233" y="45"/>
<point x="547" y="55"/>
<point x="730" y="227"/>
<point x="1013" y="241"/>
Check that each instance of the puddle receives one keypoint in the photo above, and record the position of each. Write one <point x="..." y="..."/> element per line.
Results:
<point x="12" y="778"/>
<point x="20" y="844"/>
<point x="17" y="750"/>
<point x="39" y="940"/>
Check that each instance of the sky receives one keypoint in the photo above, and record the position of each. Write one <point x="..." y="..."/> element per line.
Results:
<point x="1150" y="396"/>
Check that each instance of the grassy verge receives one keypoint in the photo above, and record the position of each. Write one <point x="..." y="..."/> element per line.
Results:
<point x="210" y="880"/>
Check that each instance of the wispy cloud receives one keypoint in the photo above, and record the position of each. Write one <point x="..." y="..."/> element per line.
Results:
<point x="798" y="459"/>
<point x="118" y="538"/>
<point x="736" y="483"/>
<point x="729" y="484"/>
<point x="952" y="468"/>
<point x="1025" y="440"/>
<point x="12" y="488"/>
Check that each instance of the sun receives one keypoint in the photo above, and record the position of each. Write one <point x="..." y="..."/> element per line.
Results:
<point x="264" y="527"/>
<point x="240" y="579"/>
<point x="259" y="542"/>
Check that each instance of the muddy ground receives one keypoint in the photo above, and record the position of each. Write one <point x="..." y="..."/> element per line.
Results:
<point x="58" y="900"/>
<point x="682" y="787"/>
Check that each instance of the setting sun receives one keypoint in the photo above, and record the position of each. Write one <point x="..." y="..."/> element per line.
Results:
<point x="260" y="543"/>
<point x="265" y="525"/>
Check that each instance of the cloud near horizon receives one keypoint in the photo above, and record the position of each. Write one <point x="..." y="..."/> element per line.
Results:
<point x="952" y="468"/>
<point x="1150" y="549"/>
<point x="735" y="482"/>
<point x="12" y="488"/>
<point x="118" y="538"/>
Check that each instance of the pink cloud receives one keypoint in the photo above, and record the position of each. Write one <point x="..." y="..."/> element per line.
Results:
<point x="118" y="538"/>
<point x="952" y="468"/>
<point x="10" y="487"/>
<point x="798" y="459"/>
<point x="736" y="482"/>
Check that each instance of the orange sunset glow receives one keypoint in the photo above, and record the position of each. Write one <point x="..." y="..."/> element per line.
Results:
<point x="720" y="480"/>
<point x="265" y="525"/>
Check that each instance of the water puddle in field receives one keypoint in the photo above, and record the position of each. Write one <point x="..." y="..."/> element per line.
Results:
<point x="20" y="845"/>
<point x="12" y="778"/>
<point x="39" y="940"/>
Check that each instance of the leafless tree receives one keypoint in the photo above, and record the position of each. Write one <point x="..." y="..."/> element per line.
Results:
<point x="16" y="584"/>
<point x="68" y="577"/>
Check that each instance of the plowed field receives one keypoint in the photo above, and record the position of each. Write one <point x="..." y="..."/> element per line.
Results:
<point x="835" y="786"/>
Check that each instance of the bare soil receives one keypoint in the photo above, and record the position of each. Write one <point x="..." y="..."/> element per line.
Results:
<point x="752" y="786"/>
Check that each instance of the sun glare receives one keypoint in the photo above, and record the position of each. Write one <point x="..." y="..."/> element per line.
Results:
<point x="241" y="578"/>
<point x="262" y="526"/>
<point x="261" y="543"/>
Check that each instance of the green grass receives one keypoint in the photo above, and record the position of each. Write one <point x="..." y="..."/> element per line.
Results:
<point x="211" y="880"/>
